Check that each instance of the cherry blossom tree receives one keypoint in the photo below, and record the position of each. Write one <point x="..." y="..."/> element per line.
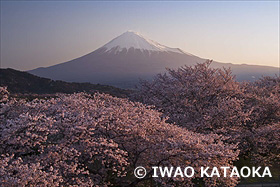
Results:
<point x="98" y="140"/>
<point x="263" y="97"/>
<point x="208" y="100"/>
<point x="199" y="98"/>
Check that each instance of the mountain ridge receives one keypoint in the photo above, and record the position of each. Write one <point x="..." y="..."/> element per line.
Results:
<point x="19" y="82"/>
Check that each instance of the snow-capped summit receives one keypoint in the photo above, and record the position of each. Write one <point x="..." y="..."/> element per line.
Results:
<point x="131" y="39"/>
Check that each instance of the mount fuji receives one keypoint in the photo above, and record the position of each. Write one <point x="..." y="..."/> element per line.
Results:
<point x="130" y="57"/>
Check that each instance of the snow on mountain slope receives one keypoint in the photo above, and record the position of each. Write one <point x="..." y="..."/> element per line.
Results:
<point x="131" y="39"/>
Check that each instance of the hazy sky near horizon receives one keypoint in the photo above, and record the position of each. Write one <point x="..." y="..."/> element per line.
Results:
<point x="43" y="33"/>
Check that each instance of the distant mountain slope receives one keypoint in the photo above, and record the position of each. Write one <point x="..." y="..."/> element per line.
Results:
<point x="130" y="56"/>
<point x="23" y="82"/>
<point x="245" y="72"/>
